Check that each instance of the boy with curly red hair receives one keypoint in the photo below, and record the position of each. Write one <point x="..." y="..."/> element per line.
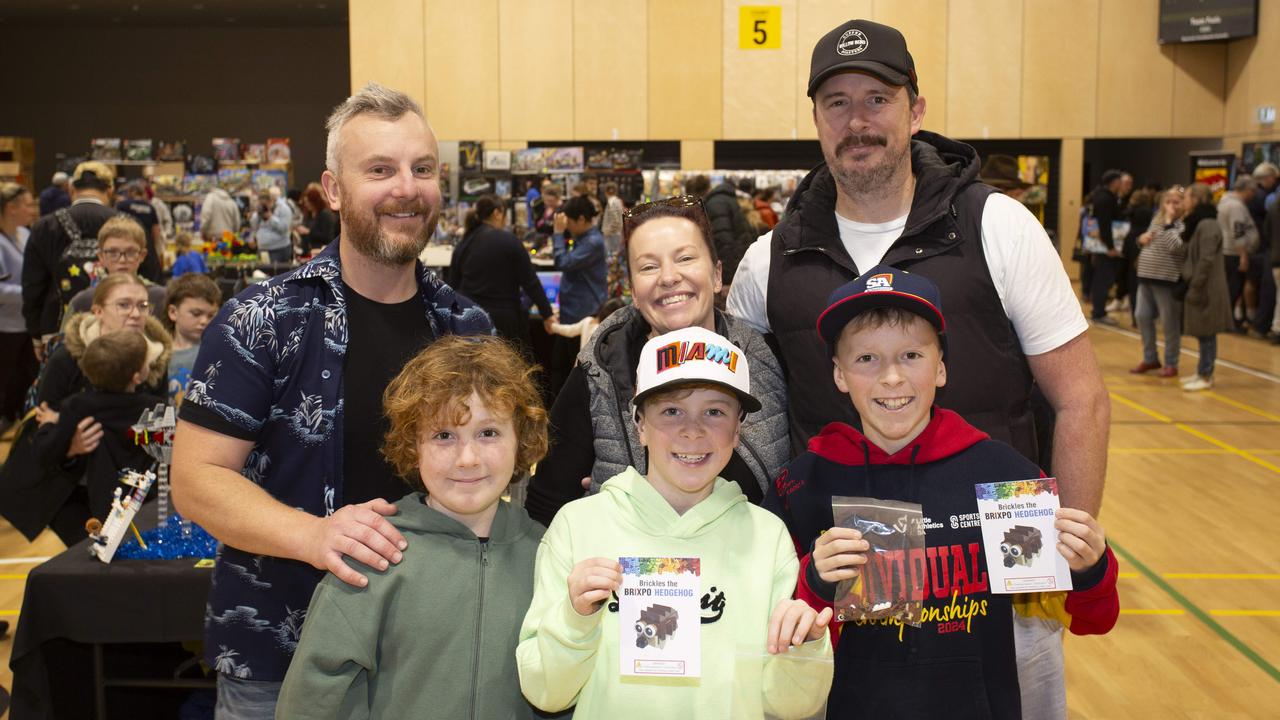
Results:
<point x="435" y="635"/>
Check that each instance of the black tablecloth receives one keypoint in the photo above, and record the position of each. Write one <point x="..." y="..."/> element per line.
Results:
<point x="75" y="597"/>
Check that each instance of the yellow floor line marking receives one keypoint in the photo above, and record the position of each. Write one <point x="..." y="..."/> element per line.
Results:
<point x="14" y="576"/>
<point x="7" y="613"/>
<point x="1138" y="611"/>
<point x="1234" y="450"/>
<point x="1142" y="409"/>
<point x="1243" y="406"/>
<point x="1128" y="576"/>
<point x="1192" y="431"/>
<point x="1220" y="576"/>
<point x="1245" y="613"/>
<point x="1168" y="451"/>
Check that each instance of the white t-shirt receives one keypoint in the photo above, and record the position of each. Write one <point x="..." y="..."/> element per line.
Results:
<point x="1025" y="268"/>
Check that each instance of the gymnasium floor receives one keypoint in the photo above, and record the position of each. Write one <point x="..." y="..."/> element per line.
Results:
<point x="1191" y="506"/>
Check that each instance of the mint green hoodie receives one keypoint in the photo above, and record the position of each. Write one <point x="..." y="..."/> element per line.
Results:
<point x="433" y="636"/>
<point x="748" y="565"/>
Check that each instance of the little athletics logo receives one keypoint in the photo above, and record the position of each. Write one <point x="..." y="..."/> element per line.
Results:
<point x="852" y="42"/>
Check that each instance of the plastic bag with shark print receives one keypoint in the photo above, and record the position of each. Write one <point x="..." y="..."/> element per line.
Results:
<point x="891" y="584"/>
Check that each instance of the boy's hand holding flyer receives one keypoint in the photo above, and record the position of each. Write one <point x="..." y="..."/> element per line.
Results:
<point x="659" y="620"/>
<point x="1020" y="538"/>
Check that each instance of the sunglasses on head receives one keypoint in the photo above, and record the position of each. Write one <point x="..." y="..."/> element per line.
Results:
<point x="679" y="201"/>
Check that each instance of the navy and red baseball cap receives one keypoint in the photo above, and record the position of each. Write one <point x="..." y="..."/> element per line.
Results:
<point x="882" y="286"/>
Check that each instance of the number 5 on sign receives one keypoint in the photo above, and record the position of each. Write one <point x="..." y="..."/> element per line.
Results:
<point x="759" y="27"/>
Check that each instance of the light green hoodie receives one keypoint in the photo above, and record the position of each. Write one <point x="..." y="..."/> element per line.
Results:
<point x="748" y="565"/>
<point x="431" y="637"/>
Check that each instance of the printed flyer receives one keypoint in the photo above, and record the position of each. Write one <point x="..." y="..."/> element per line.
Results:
<point x="1019" y="538"/>
<point x="659" y="620"/>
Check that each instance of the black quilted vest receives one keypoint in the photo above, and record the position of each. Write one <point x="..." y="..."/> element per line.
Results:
<point x="988" y="381"/>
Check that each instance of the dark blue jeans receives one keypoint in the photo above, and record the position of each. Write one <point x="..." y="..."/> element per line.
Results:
<point x="1208" y="355"/>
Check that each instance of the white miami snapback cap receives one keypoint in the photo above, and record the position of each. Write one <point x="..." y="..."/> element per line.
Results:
<point x="694" y="355"/>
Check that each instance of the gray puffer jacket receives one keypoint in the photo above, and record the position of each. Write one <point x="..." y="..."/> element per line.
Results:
<point x="606" y="363"/>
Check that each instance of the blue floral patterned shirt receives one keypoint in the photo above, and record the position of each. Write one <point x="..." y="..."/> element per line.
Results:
<point x="270" y="371"/>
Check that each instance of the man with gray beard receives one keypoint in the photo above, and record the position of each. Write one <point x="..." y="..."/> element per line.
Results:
<point x="892" y="193"/>
<point x="277" y="447"/>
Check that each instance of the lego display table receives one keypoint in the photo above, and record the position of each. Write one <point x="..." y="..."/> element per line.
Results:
<point x="78" y="612"/>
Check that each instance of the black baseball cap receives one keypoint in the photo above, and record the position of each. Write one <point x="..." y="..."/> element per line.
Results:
<point x="882" y="286"/>
<point x="864" y="46"/>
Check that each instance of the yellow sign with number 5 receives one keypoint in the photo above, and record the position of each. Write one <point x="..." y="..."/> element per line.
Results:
<point x="759" y="27"/>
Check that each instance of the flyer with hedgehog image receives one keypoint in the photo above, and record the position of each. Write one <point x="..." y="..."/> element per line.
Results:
<point x="1019" y="538"/>
<point x="659" y="620"/>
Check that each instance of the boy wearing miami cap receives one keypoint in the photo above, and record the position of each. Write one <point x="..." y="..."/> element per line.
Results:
<point x="692" y="391"/>
<point x="886" y="335"/>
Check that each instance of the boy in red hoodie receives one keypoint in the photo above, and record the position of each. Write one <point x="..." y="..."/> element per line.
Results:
<point x="886" y="334"/>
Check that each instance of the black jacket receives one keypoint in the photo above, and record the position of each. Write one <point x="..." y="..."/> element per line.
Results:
<point x="116" y="412"/>
<point x="49" y="280"/>
<point x="491" y="267"/>
<point x="1104" y="207"/>
<point x="323" y="227"/>
<point x="989" y="381"/>
<point x="729" y="228"/>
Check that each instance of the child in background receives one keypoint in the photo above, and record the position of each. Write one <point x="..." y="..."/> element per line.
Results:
<point x="587" y="325"/>
<point x="885" y="332"/>
<point x="434" y="636"/>
<point x="688" y="412"/>
<point x="189" y="306"/>
<point x="188" y="260"/>
<point x="115" y="364"/>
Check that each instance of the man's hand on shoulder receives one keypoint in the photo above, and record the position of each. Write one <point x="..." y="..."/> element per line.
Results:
<point x="360" y="532"/>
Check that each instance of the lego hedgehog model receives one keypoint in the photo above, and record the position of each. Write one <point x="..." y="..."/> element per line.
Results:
<point x="656" y="624"/>
<point x="1020" y="546"/>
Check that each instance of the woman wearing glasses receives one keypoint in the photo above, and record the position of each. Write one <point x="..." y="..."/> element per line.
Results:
<point x="675" y="276"/>
<point x="59" y="499"/>
<point x="120" y="302"/>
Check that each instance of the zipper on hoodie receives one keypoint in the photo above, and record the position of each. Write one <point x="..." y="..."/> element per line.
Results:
<point x="475" y="650"/>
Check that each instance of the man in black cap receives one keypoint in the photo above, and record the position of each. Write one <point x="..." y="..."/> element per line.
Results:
<point x="892" y="193"/>
<point x="60" y="256"/>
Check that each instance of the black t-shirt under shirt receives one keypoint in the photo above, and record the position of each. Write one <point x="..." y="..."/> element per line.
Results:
<point x="381" y="339"/>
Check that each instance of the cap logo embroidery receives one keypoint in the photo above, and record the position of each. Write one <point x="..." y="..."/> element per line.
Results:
<point x="852" y="42"/>
<point x="879" y="283"/>
<point x="678" y="353"/>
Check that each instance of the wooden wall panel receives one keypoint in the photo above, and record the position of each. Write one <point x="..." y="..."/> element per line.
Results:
<point x="462" y="62"/>
<point x="697" y="155"/>
<point x="1133" y="73"/>
<point x="815" y="19"/>
<point x="1253" y="75"/>
<point x="610" y="70"/>
<point x="1070" y="172"/>
<point x="759" y="85"/>
<point x="984" y="69"/>
<point x="1199" y="89"/>
<point x="685" y="62"/>
<point x="923" y="24"/>
<point x="387" y="45"/>
<point x="535" y="66"/>
<point x="1059" y="69"/>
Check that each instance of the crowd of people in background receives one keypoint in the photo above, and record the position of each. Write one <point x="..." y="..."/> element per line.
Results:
<point x="1153" y="252"/>
<point x="303" y="415"/>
